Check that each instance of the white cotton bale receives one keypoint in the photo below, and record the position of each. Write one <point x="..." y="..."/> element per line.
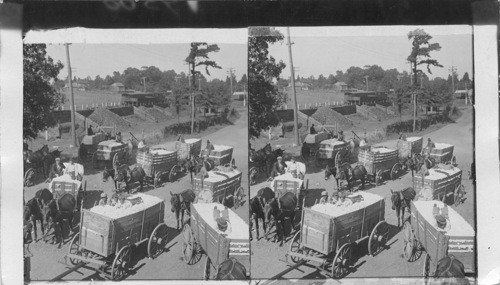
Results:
<point x="239" y="228"/>
<point x="115" y="212"/>
<point x="334" y="210"/>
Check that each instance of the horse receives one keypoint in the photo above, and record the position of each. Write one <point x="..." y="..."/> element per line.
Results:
<point x="56" y="211"/>
<point x="279" y="209"/>
<point x="411" y="164"/>
<point x="181" y="202"/>
<point x="450" y="270"/>
<point x="402" y="200"/>
<point x="136" y="175"/>
<point x="348" y="174"/>
<point x="33" y="209"/>
<point x="231" y="269"/>
<point x="37" y="158"/>
<point x="257" y="203"/>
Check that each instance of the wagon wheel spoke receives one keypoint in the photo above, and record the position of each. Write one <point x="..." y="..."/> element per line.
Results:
<point x="157" y="241"/>
<point x="378" y="238"/>
<point x="121" y="263"/>
<point x="341" y="261"/>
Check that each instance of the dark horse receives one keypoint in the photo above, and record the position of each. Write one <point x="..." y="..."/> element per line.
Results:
<point x="450" y="270"/>
<point x="37" y="159"/>
<point x="266" y="157"/>
<point x="136" y="174"/>
<point x="279" y="209"/>
<point x="56" y="211"/>
<point x="402" y="200"/>
<point x="33" y="208"/>
<point x="257" y="204"/>
<point x="231" y="269"/>
<point x="348" y="174"/>
<point x="181" y="202"/>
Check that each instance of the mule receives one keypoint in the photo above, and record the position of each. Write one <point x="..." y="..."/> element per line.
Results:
<point x="279" y="209"/>
<point x="331" y="171"/>
<point x="126" y="175"/>
<point x="257" y="204"/>
<point x="450" y="270"/>
<point x="181" y="202"/>
<point x="231" y="269"/>
<point x="55" y="212"/>
<point x="401" y="200"/>
<point x="37" y="158"/>
<point x="348" y="174"/>
<point x="33" y="209"/>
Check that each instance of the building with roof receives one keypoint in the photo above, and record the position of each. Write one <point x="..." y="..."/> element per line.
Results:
<point x="142" y="99"/>
<point x="240" y="95"/>
<point x="365" y="98"/>
<point x="117" y="87"/>
<point x="76" y="86"/>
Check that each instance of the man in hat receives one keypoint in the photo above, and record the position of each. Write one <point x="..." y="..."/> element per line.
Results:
<point x="324" y="197"/>
<point x="312" y="130"/>
<point x="279" y="168"/>
<point x="334" y="198"/>
<point x="344" y="201"/>
<point x="57" y="169"/>
<point x="430" y="145"/>
<point x="223" y="226"/>
<point x="209" y="148"/>
<point x="341" y="136"/>
<point x="119" y="137"/>
<point x="104" y="199"/>
<point x="293" y="167"/>
<point x="441" y="223"/>
<point x="90" y="132"/>
<point x="114" y="199"/>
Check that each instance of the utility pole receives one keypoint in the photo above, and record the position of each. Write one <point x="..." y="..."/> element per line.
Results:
<point x="72" y="99"/>
<point x="230" y="72"/>
<point x="366" y="78"/>
<point x="294" y="95"/>
<point x="199" y="83"/>
<point x="144" y="83"/>
<point x="191" y="95"/>
<point x="453" y="70"/>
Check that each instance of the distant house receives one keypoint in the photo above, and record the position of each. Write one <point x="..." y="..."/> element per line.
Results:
<point x="461" y="94"/>
<point x="239" y="96"/>
<point x="300" y="85"/>
<point x="340" y="86"/>
<point x="142" y="99"/>
<point x="117" y="87"/>
<point x="76" y="86"/>
<point x="365" y="98"/>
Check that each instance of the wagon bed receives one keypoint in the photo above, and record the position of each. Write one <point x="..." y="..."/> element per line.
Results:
<point x="332" y="234"/>
<point x="109" y="150"/>
<point x="222" y="184"/>
<point x="406" y="148"/>
<point x="158" y="163"/>
<point x="380" y="160"/>
<point x="202" y="232"/>
<point x="443" y="181"/>
<point x="188" y="148"/>
<point x="287" y="183"/>
<point x="441" y="153"/>
<point x="64" y="184"/>
<point x="221" y="154"/>
<point x="421" y="234"/>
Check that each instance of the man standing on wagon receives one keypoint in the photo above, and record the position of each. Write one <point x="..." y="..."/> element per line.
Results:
<point x="57" y="169"/>
<point x="279" y="168"/>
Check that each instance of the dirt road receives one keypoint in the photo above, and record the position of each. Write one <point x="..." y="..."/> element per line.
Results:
<point x="169" y="265"/>
<point x="266" y="256"/>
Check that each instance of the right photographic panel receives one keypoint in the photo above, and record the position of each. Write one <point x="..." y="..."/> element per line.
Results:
<point x="361" y="156"/>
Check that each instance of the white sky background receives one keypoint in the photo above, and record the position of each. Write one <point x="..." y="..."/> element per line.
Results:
<point x="100" y="52"/>
<point x="324" y="50"/>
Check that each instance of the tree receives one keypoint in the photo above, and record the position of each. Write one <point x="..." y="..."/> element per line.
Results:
<point x="198" y="56"/>
<point x="263" y="95"/>
<point x="40" y="97"/>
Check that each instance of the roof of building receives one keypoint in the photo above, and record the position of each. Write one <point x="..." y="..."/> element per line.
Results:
<point x="119" y="84"/>
<point x="340" y="83"/>
<point x="240" y="93"/>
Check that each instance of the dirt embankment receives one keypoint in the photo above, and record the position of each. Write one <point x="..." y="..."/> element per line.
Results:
<point x="105" y="117"/>
<point x="327" y="116"/>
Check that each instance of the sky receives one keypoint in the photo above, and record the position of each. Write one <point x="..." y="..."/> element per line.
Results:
<point x="102" y="51"/>
<point x="324" y="50"/>
<point x="102" y="59"/>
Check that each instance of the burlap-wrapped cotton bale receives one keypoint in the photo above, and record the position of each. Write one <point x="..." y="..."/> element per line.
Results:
<point x="410" y="146"/>
<point x="442" y="181"/>
<point x="218" y="182"/>
<point x="158" y="159"/>
<point x="329" y="148"/>
<point x="188" y="148"/>
<point x="316" y="138"/>
<point x="93" y="139"/>
<point x="442" y="148"/>
<point x="221" y="150"/>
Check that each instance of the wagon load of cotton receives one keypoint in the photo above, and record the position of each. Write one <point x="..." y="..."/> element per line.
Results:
<point x="439" y="177"/>
<point x="239" y="228"/>
<point x="156" y="157"/>
<point x="409" y="146"/>
<point x="133" y="204"/>
<point x="316" y="138"/>
<point x="218" y="181"/>
<point x="188" y="148"/>
<point x="377" y="154"/>
<point x="335" y="210"/>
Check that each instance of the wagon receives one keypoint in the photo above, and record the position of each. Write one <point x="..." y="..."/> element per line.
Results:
<point x="107" y="236"/>
<point x="223" y="184"/>
<point x="444" y="181"/>
<point x="112" y="151"/>
<point x="333" y="149"/>
<point x="313" y="141"/>
<point x="188" y="148"/>
<point x="220" y="155"/>
<point x="380" y="160"/>
<point x="407" y="148"/>
<point x="67" y="184"/>
<point x="201" y="235"/>
<point x="284" y="183"/>
<point x="422" y="235"/>
<point x="89" y="144"/>
<point x="158" y="163"/>
<point x="441" y="153"/>
<point x="327" y="233"/>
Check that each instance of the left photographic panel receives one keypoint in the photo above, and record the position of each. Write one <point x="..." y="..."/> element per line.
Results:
<point x="135" y="155"/>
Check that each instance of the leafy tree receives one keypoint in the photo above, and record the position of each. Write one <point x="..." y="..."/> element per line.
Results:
<point x="108" y="80"/>
<point x="420" y="52"/>
<point x="263" y="95"/>
<point x="40" y="97"/>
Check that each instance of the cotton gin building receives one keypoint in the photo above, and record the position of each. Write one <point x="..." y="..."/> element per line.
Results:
<point x="365" y="98"/>
<point x="142" y="99"/>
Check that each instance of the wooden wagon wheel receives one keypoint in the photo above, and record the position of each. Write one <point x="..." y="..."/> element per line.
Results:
<point x="378" y="238"/>
<point x="94" y="160"/>
<point x="158" y="240"/>
<point x="378" y="177"/>
<point x="253" y="174"/>
<point x="238" y="197"/>
<point x="74" y="248"/>
<point x="340" y="264"/>
<point x="426" y="270"/>
<point x="157" y="178"/>
<point x="338" y="159"/>
<point x="188" y="245"/>
<point x="116" y="159"/>
<point x="173" y="173"/>
<point x="207" y="269"/>
<point x="396" y="170"/>
<point x="121" y="263"/>
<point x="410" y="244"/>
<point x="296" y="247"/>
<point x="29" y="177"/>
